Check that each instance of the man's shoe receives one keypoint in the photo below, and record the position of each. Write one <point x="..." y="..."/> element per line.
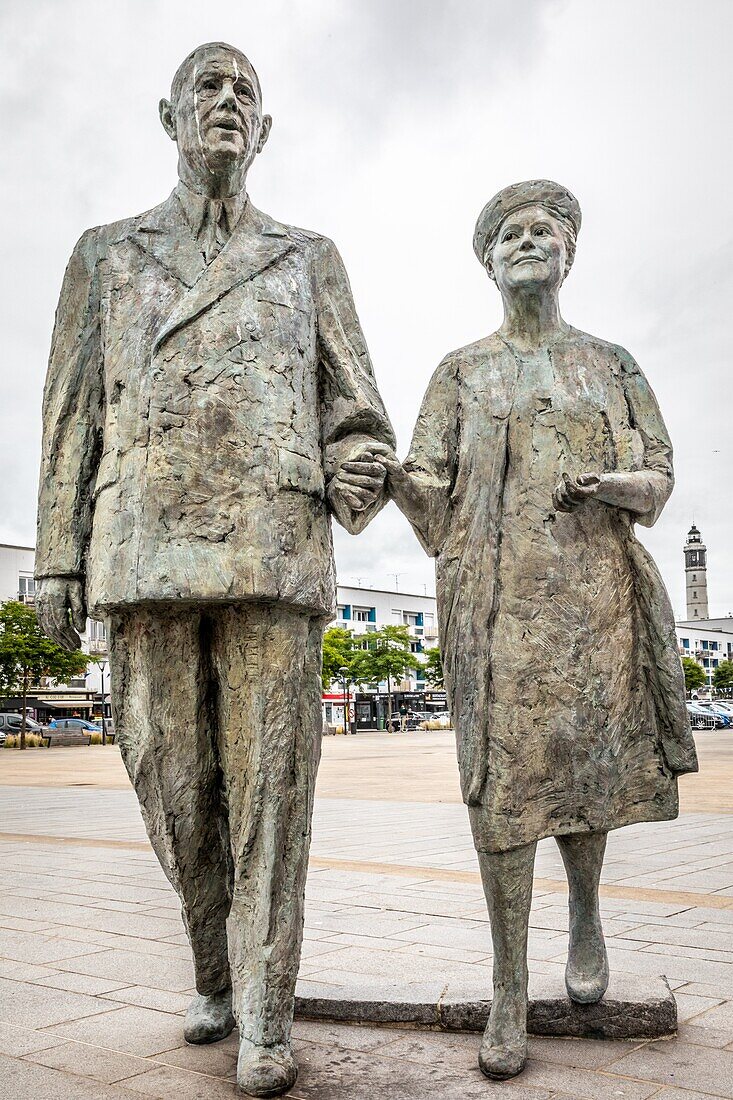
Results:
<point x="209" y="1019"/>
<point x="265" y="1071"/>
<point x="499" y="1063"/>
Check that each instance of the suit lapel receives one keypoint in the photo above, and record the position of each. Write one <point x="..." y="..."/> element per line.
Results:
<point x="256" y="244"/>
<point x="165" y="235"/>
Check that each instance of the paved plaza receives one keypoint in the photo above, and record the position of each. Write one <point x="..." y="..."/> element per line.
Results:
<point x="95" y="971"/>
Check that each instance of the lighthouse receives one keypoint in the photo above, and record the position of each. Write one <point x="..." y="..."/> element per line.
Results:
<point x="696" y="565"/>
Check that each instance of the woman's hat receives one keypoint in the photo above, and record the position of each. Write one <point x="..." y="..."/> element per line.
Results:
<point x="558" y="200"/>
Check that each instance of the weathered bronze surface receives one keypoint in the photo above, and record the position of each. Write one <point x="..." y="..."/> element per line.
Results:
<point x="210" y="402"/>
<point x="536" y="451"/>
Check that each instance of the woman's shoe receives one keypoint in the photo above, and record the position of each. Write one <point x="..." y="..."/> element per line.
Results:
<point x="586" y="973"/>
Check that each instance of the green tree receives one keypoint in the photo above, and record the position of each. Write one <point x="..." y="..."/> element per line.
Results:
<point x="388" y="657"/>
<point x="694" y="674"/>
<point x="338" y="653"/>
<point x="26" y="654"/>
<point x="434" y="667"/>
<point x="723" y="676"/>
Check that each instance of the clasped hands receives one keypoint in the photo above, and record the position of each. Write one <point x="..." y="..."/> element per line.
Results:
<point x="359" y="479"/>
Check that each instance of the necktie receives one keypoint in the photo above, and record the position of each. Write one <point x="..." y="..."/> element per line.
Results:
<point x="215" y="231"/>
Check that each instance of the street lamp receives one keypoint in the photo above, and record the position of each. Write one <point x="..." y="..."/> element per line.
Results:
<point x="346" y="681"/>
<point x="100" y="663"/>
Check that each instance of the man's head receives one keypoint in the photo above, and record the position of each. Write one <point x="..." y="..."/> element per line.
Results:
<point x="215" y="115"/>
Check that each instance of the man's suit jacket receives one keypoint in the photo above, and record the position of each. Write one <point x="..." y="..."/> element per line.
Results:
<point x="193" y="414"/>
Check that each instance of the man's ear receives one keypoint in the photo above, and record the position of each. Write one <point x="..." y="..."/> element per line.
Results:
<point x="165" y="110"/>
<point x="264" y="132"/>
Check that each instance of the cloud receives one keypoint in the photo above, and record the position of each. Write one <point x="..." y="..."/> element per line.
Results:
<point x="394" y="122"/>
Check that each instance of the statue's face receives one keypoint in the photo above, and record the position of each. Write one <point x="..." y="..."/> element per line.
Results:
<point x="217" y="119"/>
<point x="530" y="251"/>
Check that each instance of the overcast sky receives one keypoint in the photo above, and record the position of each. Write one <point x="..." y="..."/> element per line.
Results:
<point x="394" y="121"/>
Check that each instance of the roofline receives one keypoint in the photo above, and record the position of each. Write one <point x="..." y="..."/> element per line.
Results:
<point x="12" y="546"/>
<point x="385" y="591"/>
<point x="710" y="629"/>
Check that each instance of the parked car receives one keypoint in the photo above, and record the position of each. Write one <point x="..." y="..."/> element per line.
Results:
<point x="719" y="711"/>
<point x="73" y="724"/>
<point x="702" y="719"/>
<point x="13" y="723"/>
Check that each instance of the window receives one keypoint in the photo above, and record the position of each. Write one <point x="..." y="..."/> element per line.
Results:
<point x="411" y="618"/>
<point x="26" y="588"/>
<point x="97" y="631"/>
<point x="363" y="614"/>
<point x="694" y="578"/>
<point x="704" y="644"/>
<point x="685" y="643"/>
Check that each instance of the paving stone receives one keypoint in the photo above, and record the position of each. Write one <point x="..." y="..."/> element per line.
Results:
<point x="127" y="1030"/>
<point x="682" y="1064"/>
<point x="23" y="1080"/>
<point x="583" y="1086"/>
<point x="173" y="974"/>
<point x="160" y="1000"/>
<point x="351" y="1075"/>
<point x="86" y="1060"/>
<point x="26" y="1005"/>
<point x="19" y="1041"/>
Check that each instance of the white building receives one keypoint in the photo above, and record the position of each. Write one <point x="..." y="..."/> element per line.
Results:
<point x="365" y="610"/>
<point x="707" y="641"/>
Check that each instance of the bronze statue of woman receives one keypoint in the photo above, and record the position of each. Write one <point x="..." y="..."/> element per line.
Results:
<point x="536" y="451"/>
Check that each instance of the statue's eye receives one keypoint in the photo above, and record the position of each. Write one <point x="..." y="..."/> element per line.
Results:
<point x="541" y="231"/>
<point x="208" y="86"/>
<point x="509" y="236"/>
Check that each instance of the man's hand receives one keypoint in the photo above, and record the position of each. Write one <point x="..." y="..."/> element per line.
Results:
<point x="59" y="603"/>
<point x="572" y="492"/>
<point x="358" y="480"/>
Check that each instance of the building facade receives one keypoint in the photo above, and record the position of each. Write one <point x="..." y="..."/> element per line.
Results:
<point x="696" y="575"/>
<point x="364" y="611"/>
<point x="705" y="642"/>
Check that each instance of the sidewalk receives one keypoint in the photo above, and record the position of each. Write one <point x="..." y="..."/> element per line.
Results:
<point x="95" y="969"/>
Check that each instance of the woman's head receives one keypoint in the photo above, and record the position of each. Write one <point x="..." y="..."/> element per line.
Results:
<point x="525" y="236"/>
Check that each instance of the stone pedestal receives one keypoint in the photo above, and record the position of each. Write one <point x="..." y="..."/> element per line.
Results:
<point x="633" y="1008"/>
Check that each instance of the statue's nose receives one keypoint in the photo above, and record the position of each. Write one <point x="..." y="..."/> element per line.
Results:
<point x="527" y="243"/>
<point x="227" y="96"/>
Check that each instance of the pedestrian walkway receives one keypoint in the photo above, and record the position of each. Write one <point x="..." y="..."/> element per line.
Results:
<point x="95" y="970"/>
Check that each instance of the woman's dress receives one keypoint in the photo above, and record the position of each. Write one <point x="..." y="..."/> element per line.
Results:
<point x="554" y="669"/>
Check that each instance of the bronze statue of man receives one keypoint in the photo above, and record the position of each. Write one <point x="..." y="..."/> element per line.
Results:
<point x="209" y="401"/>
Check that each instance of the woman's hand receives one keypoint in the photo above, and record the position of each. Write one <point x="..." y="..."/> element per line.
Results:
<point x="572" y="492"/>
<point x="386" y="457"/>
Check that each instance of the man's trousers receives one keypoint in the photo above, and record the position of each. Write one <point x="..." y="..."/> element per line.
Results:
<point x="218" y="715"/>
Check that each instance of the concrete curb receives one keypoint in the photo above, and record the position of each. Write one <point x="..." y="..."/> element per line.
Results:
<point x="633" y="1008"/>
